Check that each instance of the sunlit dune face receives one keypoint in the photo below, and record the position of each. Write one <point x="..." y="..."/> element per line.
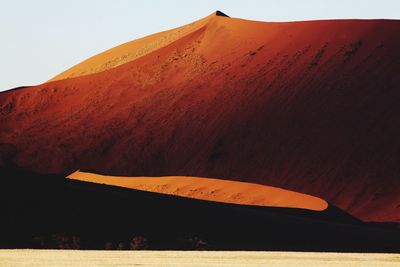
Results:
<point x="210" y="189"/>
<point x="130" y="51"/>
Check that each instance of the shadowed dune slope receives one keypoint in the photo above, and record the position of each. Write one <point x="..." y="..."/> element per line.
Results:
<point x="210" y="189"/>
<point x="306" y="106"/>
<point x="49" y="211"/>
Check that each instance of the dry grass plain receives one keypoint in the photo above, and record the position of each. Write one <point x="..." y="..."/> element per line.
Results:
<point x="60" y="258"/>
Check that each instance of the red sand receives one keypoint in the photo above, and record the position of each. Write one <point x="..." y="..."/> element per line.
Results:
<point x="307" y="106"/>
<point x="210" y="189"/>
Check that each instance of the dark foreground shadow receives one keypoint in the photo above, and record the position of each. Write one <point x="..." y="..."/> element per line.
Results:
<point x="49" y="211"/>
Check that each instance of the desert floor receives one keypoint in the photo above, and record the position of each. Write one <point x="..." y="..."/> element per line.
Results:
<point x="61" y="258"/>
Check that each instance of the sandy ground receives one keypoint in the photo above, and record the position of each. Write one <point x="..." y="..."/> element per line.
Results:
<point x="61" y="258"/>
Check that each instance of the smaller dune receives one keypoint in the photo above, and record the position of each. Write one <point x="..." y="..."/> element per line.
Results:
<point x="210" y="189"/>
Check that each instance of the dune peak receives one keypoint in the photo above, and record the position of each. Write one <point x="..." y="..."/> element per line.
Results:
<point x="221" y="14"/>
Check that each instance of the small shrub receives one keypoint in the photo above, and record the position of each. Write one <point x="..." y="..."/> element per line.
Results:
<point x="138" y="243"/>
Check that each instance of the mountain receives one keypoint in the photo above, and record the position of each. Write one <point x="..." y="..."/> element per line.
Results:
<point x="307" y="106"/>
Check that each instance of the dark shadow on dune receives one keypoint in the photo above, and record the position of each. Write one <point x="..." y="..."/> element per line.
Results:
<point x="221" y="14"/>
<point x="49" y="211"/>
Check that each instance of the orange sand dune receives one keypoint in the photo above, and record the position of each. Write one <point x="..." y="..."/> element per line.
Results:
<point x="310" y="106"/>
<point x="210" y="189"/>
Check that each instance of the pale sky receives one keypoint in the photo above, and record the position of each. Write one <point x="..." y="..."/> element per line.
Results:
<point x="41" y="38"/>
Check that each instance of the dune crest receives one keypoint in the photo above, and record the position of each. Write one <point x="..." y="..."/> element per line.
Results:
<point x="211" y="189"/>
<point x="132" y="50"/>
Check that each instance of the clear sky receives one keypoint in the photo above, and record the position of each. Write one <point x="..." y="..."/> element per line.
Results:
<point x="39" y="39"/>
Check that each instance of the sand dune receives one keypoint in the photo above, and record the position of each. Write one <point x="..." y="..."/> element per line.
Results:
<point x="308" y="106"/>
<point x="210" y="189"/>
